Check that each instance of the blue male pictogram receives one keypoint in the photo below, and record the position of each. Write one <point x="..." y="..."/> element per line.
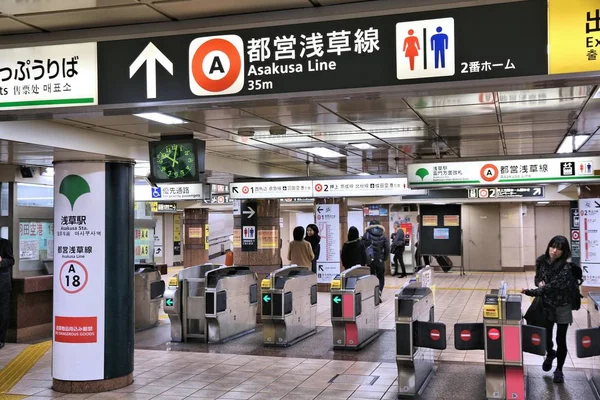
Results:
<point x="156" y="193"/>
<point x="439" y="45"/>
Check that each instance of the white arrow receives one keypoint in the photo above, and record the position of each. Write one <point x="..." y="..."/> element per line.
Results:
<point x="537" y="191"/>
<point x="150" y="55"/>
<point x="250" y="211"/>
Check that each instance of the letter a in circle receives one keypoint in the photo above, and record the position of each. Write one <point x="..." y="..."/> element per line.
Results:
<point x="71" y="269"/>
<point x="489" y="172"/>
<point x="216" y="65"/>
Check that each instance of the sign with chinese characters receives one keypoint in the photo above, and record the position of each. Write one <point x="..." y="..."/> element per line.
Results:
<point x="218" y="199"/>
<point x="193" y="191"/>
<point x="589" y="228"/>
<point x="430" y="220"/>
<point x="435" y="46"/>
<point x="270" y="190"/>
<point x="48" y="76"/>
<point x="591" y="274"/>
<point x="573" y="36"/>
<point x="505" y="172"/>
<point x="507" y="192"/>
<point x="328" y="222"/>
<point x="249" y="225"/>
<point x="36" y="240"/>
<point x="166" y="207"/>
<point x="451" y="220"/>
<point x="361" y="187"/>
<point x="79" y="279"/>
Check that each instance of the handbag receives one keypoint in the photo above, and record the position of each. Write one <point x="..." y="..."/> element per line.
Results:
<point x="536" y="313"/>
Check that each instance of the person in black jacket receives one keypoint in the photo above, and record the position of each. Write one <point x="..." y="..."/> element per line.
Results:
<point x="6" y="263"/>
<point x="398" y="247"/>
<point x="353" y="251"/>
<point x="555" y="283"/>
<point x="376" y="239"/>
<point x="312" y="237"/>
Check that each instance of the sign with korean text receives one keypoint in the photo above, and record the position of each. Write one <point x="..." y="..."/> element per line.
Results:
<point x="328" y="222"/>
<point x="270" y="190"/>
<point x="79" y="279"/>
<point x="249" y="225"/>
<point x="443" y="45"/>
<point x="507" y="192"/>
<point x="48" y="76"/>
<point x="193" y="191"/>
<point x="573" y="36"/>
<point x="505" y="172"/>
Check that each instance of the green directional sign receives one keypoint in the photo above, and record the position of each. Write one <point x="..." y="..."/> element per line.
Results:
<point x="267" y="298"/>
<point x="169" y="302"/>
<point x="337" y="299"/>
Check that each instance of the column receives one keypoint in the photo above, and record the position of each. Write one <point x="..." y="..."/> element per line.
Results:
<point x="343" y="213"/>
<point x="195" y="250"/>
<point x="588" y="226"/>
<point x="93" y="340"/>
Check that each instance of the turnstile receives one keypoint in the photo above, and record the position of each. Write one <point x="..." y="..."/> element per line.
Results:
<point x="185" y="303"/>
<point x="149" y="291"/>
<point x="289" y="305"/>
<point x="354" y="308"/>
<point x="504" y="338"/>
<point x="416" y="334"/>
<point x="231" y="302"/>
<point x="588" y="340"/>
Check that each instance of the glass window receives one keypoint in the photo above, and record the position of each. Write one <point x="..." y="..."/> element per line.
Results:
<point x="36" y="240"/>
<point x="31" y="195"/>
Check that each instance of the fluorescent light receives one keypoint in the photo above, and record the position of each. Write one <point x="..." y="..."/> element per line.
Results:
<point x="323" y="152"/>
<point x="363" y="173"/>
<point x="162" y="118"/>
<point x="567" y="144"/>
<point x="362" y="146"/>
<point x="48" y="171"/>
<point x="543" y="202"/>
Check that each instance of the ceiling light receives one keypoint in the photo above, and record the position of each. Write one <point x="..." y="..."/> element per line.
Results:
<point x="363" y="173"/>
<point x="542" y="203"/>
<point x="567" y="144"/>
<point x="323" y="152"/>
<point x="362" y="146"/>
<point x="162" y="118"/>
<point x="48" y="171"/>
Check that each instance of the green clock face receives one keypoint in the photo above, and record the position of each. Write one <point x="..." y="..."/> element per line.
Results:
<point x="175" y="161"/>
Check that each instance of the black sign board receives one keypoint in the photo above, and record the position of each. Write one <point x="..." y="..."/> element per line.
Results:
<point x="575" y="232"/>
<point x="456" y="44"/>
<point x="162" y="207"/>
<point x="507" y="192"/>
<point x="249" y="226"/>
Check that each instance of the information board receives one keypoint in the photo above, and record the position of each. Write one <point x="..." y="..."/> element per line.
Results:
<point x="328" y="222"/>
<point x="437" y="238"/>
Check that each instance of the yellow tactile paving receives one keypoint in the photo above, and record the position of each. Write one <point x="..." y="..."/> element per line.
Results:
<point x="12" y="396"/>
<point x="19" y="366"/>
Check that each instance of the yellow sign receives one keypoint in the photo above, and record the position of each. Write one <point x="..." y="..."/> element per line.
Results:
<point x="451" y="220"/>
<point x="491" y="311"/>
<point x="237" y="238"/>
<point x="430" y="220"/>
<point x="195" y="233"/>
<point x="268" y="239"/>
<point x="177" y="228"/>
<point x="173" y="281"/>
<point x="336" y="284"/>
<point x="154" y="206"/>
<point x="265" y="284"/>
<point x="143" y="250"/>
<point x="573" y="36"/>
<point x="206" y="243"/>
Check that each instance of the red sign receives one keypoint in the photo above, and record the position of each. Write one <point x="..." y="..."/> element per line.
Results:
<point x="489" y="172"/>
<point x="435" y="335"/>
<point x="207" y="65"/>
<point x="575" y="235"/>
<point x="586" y="341"/>
<point x="407" y="228"/>
<point x="75" y="329"/>
<point x="318" y="187"/>
<point x="535" y="339"/>
<point x="494" y="334"/>
<point x="465" y="335"/>
<point x="245" y="189"/>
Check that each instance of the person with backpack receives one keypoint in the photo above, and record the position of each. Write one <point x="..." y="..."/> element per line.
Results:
<point x="397" y="250"/>
<point x="558" y="288"/>
<point x="378" y="250"/>
<point x="353" y="251"/>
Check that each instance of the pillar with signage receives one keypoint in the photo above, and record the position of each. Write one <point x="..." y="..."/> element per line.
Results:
<point x="195" y="221"/>
<point x="588" y="235"/>
<point x="331" y="216"/>
<point x="93" y="306"/>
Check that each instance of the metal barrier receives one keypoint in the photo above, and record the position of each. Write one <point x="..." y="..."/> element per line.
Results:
<point x="185" y="303"/>
<point x="149" y="291"/>
<point x="504" y="338"/>
<point x="231" y="302"/>
<point x="416" y="334"/>
<point x="588" y="340"/>
<point x="289" y="305"/>
<point x="354" y="308"/>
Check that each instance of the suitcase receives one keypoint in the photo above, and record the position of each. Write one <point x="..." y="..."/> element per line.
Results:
<point x="445" y="262"/>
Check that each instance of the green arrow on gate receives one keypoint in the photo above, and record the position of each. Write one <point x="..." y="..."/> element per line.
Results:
<point x="337" y="299"/>
<point x="267" y="298"/>
<point x="169" y="302"/>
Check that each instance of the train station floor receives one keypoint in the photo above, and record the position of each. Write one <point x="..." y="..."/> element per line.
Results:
<point x="244" y="369"/>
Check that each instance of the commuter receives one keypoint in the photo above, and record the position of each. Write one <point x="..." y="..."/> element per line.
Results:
<point x="6" y="263"/>
<point x="312" y="237"/>
<point x="397" y="250"/>
<point x="378" y="250"/>
<point x="300" y="252"/>
<point x="556" y="287"/>
<point x="353" y="251"/>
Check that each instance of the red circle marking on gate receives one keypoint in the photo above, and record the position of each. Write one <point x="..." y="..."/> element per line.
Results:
<point x="586" y="341"/>
<point x="465" y="335"/>
<point x="494" y="334"/>
<point x="435" y="335"/>
<point x="535" y="339"/>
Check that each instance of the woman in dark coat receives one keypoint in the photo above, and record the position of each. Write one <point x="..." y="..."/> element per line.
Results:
<point x="353" y="251"/>
<point x="312" y="237"/>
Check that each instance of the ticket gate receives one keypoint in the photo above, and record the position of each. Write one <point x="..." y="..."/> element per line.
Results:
<point x="416" y="335"/>
<point x="231" y="302"/>
<point x="504" y="338"/>
<point x="149" y="291"/>
<point x="588" y="340"/>
<point x="289" y="305"/>
<point x="354" y="308"/>
<point x="185" y="303"/>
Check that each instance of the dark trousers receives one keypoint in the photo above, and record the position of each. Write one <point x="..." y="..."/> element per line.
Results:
<point x="4" y="314"/>
<point x="314" y="266"/>
<point x="399" y="258"/>
<point x="378" y="269"/>
<point x="561" y="342"/>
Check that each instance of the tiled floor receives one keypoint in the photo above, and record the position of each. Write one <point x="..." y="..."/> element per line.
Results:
<point x="211" y="375"/>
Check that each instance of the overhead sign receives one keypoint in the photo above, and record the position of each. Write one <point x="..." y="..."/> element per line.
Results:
<point x="249" y="225"/>
<point x="270" y="190"/>
<point x="573" y="36"/>
<point x="192" y="191"/>
<point x="504" y="172"/>
<point x="435" y="46"/>
<point x="328" y="222"/>
<point x="48" y="76"/>
<point x="507" y="192"/>
<point x="361" y="187"/>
